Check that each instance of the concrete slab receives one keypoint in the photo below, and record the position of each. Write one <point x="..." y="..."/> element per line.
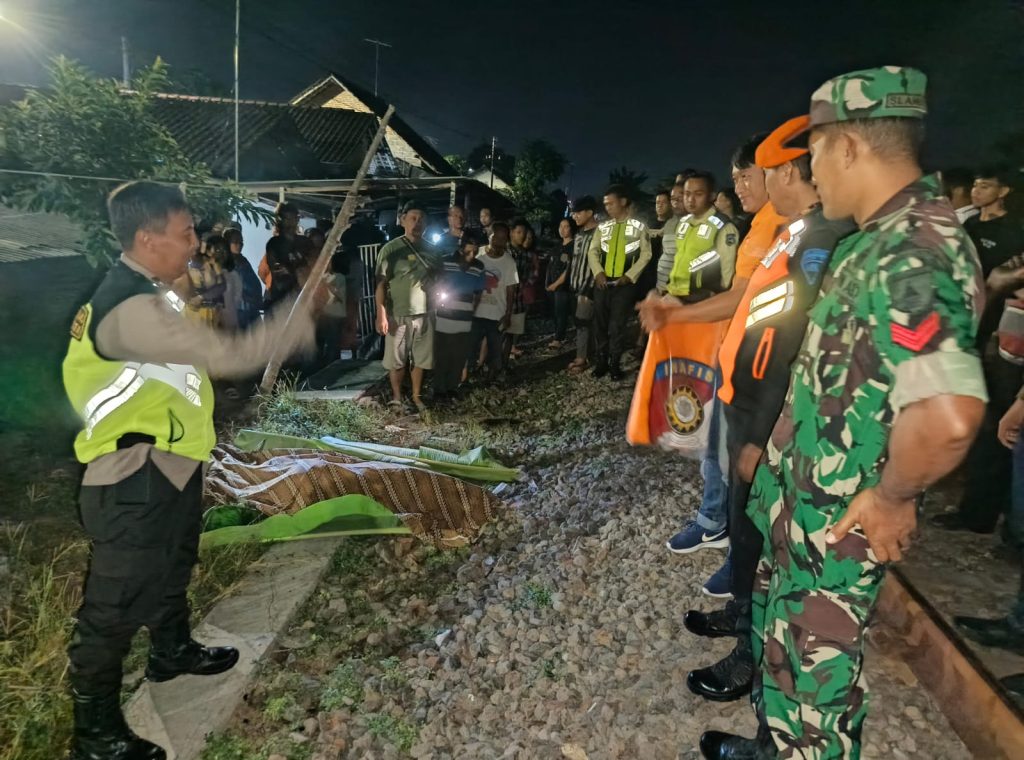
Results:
<point x="179" y="715"/>
<point x="348" y="395"/>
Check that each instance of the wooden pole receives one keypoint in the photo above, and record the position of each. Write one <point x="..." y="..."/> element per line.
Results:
<point x="341" y="223"/>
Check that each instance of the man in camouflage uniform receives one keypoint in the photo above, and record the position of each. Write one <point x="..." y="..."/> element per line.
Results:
<point x="885" y="398"/>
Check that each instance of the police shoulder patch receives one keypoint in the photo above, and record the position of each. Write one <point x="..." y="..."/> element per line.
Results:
<point x="78" y="325"/>
<point x="730" y="238"/>
<point x="812" y="264"/>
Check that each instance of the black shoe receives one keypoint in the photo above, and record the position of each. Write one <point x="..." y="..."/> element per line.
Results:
<point x="728" y="679"/>
<point x="717" y="745"/>
<point x="955" y="521"/>
<point x="992" y="633"/>
<point x="102" y="734"/>
<point x="616" y="373"/>
<point x="192" y="658"/>
<point x="717" y="623"/>
<point x="600" y="370"/>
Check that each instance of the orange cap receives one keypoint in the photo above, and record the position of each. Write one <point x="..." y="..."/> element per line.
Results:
<point x="774" y="151"/>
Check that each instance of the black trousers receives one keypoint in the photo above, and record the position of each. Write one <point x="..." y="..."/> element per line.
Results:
<point x="612" y="307"/>
<point x="145" y="541"/>
<point x="744" y="537"/>
<point x="990" y="464"/>
<point x="486" y="330"/>
<point x="450" y="353"/>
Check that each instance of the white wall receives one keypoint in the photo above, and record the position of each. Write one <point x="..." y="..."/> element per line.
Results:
<point x="256" y="235"/>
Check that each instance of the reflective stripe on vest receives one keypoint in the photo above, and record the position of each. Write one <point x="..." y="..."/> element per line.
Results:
<point x="182" y="377"/>
<point x="771" y="302"/>
<point x="705" y="259"/>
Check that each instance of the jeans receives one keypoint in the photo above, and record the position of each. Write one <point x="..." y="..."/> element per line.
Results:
<point x="714" y="509"/>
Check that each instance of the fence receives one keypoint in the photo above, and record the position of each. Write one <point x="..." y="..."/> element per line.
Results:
<point x="367" y="307"/>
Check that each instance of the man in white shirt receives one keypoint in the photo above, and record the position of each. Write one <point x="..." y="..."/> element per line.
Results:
<point x="494" y="312"/>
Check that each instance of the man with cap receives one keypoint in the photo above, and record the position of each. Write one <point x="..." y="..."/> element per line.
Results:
<point x="138" y="374"/>
<point x="885" y="397"/>
<point x="405" y="266"/>
<point x="759" y="347"/>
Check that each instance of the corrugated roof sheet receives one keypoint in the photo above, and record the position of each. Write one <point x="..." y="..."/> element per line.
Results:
<point x="25" y="236"/>
<point x="315" y="143"/>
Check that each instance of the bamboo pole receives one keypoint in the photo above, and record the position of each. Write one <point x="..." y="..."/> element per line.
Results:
<point x="341" y="223"/>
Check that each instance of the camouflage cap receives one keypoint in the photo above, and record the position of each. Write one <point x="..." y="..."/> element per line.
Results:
<point x="885" y="92"/>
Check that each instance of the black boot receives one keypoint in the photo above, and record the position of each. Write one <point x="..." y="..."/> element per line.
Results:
<point x="192" y="658"/>
<point x="728" y="621"/>
<point x="729" y="678"/>
<point x="601" y="368"/>
<point x="102" y="734"/>
<point x="717" y="745"/>
<point x="615" y="371"/>
<point x="992" y="633"/>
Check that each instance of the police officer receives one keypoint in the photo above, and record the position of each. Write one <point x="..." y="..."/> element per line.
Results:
<point x="136" y="372"/>
<point x="885" y="397"/>
<point x="619" y="252"/>
<point x="706" y="242"/>
<point x="762" y="340"/>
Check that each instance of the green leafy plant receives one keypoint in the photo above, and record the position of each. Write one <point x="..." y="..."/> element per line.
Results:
<point x="344" y="688"/>
<point x="397" y="731"/>
<point x="90" y="126"/>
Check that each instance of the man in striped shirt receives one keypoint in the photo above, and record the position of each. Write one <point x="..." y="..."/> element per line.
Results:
<point x="668" y="237"/>
<point x="456" y="296"/>
<point x="581" y="279"/>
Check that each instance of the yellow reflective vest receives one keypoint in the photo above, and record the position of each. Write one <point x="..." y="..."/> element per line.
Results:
<point x="171" y="403"/>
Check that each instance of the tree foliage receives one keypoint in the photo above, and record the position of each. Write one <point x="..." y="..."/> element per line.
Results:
<point x="538" y="164"/>
<point x="458" y="163"/>
<point x="85" y="125"/>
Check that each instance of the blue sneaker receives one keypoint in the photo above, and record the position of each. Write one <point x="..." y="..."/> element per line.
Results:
<point x="717" y="585"/>
<point x="693" y="537"/>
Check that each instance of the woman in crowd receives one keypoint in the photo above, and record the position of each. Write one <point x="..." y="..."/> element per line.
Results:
<point x="204" y="283"/>
<point x="729" y="204"/>
<point x="558" y="280"/>
<point x="244" y="290"/>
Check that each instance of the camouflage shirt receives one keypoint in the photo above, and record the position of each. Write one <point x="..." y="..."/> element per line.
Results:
<point x="894" y="324"/>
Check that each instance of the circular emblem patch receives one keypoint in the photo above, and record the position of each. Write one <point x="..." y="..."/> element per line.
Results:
<point x="685" y="411"/>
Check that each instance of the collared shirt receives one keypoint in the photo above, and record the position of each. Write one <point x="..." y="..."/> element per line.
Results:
<point x="705" y="245"/>
<point x="894" y="324"/>
<point x="457" y="290"/>
<point x="620" y="249"/>
<point x="144" y="328"/>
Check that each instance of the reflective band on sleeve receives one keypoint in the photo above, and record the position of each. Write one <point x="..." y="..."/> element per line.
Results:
<point x="705" y="259"/>
<point x="770" y="303"/>
<point x="182" y="377"/>
<point x="176" y="303"/>
<point x="631" y="247"/>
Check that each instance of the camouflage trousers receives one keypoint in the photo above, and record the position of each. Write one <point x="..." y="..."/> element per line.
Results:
<point x="811" y="605"/>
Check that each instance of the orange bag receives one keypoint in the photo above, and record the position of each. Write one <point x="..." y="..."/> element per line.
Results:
<point x="675" y="390"/>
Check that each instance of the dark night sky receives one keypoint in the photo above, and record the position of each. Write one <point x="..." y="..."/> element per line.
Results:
<point x="654" y="86"/>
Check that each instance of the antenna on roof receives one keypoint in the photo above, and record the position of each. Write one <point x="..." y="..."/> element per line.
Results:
<point x="376" y="71"/>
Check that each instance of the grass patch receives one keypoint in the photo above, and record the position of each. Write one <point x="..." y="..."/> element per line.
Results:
<point x="393" y="676"/>
<point x="282" y="413"/>
<point x="283" y="709"/>
<point x="396" y="731"/>
<point x="538" y="596"/>
<point x="344" y="689"/>
<point x="228" y="747"/>
<point x="42" y="594"/>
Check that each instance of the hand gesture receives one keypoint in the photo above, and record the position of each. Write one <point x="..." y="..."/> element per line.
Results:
<point x="601" y="281"/>
<point x="1010" y="424"/>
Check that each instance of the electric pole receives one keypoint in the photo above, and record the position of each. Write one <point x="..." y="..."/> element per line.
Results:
<point x="376" y="69"/>
<point x="126" y="66"/>
<point x="238" y="26"/>
<point x="494" y="147"/>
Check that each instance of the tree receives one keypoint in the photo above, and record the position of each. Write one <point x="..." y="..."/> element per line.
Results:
<point x="628" y="178"/>
<point x="538" y="164"/>
<point x="88" y="127"/>
<point x="458" y="163"/>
